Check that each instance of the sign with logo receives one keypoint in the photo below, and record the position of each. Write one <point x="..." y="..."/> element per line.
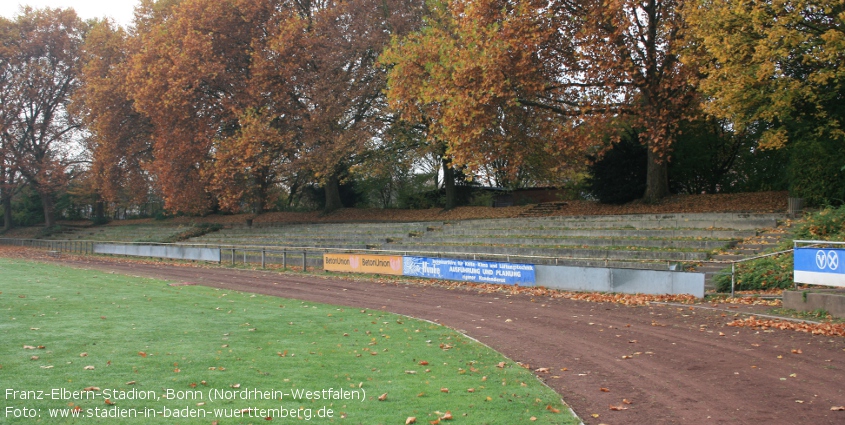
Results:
<point x="470" y="270"/>
<point x="377" y="264"/>
<point x="820" y="266"/>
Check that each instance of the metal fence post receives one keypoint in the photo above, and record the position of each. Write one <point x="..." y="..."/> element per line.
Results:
<point x="284" y="259"/>
<point x="233" y="256"/>
<point x="733" y="278"/>
<point x="304" y="261"/>
<point x="262" y="258"/>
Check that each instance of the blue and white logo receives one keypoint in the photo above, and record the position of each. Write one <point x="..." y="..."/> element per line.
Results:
<point x="827" y="260"/>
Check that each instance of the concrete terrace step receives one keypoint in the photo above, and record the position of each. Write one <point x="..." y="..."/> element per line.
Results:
<point x="610" y="232"/>
<point x="675" y="217"/>
<point x="640" y="221"/>
<point x="655" y="224"/>
<point x="572" y="253"/>
<point x="757" y="247"/>
<point x="300" y="240"/>
<point x="290" y="243"/>
<point x="318" y="226"/>
<point x="728" y="257"/>
<point x="314" y="235"/>
<point x="708" y="245"/>
<point x="543" y="209"/>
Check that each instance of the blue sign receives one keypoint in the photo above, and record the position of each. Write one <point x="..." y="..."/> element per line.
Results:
<point x="469" y="270"/>
<point x="820" y="266"/>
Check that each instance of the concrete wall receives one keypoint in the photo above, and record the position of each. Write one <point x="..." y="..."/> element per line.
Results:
<point x="626" y="281"/>
<point x="160" y="251"/>
<point x="832" y="301"/>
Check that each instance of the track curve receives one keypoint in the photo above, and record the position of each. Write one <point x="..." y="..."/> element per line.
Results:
<point x="674" y="365"/>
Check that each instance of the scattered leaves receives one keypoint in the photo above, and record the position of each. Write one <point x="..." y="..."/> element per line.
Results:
<point x="826" y="329"/>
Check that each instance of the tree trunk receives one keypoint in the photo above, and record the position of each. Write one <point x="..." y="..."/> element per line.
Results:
<point x="99" y="210"/>
<point x="449" y="184"/>
<point x="6" y="198"/>
<point x="657" y="178"/>
<point x="260" y="198"/>
<point x="47" y="201"/>
<point x="294" y="188"/>
<point x="7" y="213"/>
<point x="332" y="187"/>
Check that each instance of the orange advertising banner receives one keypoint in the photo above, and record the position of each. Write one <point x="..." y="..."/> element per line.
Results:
<point x="358" y="263"/>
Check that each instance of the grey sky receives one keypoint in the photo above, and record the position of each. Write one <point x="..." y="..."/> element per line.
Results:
<point x="119" y="10"/>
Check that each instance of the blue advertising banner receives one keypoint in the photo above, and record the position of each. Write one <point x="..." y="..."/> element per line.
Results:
<point x="820" y="266"/>
<point x="469" y="270"/>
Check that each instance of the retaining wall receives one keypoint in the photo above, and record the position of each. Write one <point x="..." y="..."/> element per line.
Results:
<point x="830" y="300"/>
<point x="626" y="281"/>
<point x="160" y="251"/>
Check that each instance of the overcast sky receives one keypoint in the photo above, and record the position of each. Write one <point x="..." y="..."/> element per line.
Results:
<point x="119" y="10"/>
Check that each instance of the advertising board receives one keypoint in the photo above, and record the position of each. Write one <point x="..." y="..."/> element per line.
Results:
<point x="470" y="270"/>
<point x="820" y="266"/>
<point x="357" y="263"/>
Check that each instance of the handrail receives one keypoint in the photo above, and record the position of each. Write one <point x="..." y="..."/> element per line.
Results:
<point x="796" y="242"/>
<point x="771" y="254"/>
<point x="282" y="249"/>
<point x="735" y="262"/>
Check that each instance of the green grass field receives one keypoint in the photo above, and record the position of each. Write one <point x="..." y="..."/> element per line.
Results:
<point x="111" y="349"/>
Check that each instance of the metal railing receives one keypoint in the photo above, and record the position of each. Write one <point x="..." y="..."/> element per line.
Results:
<point x="735" y="262"/>
<point x="282" y="254"/>
<point x="819" y="244"/>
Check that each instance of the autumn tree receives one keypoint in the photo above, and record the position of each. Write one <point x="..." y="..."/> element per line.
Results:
<point x="569" y="68"/>
<point x="774" y="69"/>
<point x="41" y="55"/>
<point x="456" y="78"/>
<point x="188" y="75"/>
<point x="120" y="136"/>
<point x="8" y="172"/>
<point x="320" y="70"/>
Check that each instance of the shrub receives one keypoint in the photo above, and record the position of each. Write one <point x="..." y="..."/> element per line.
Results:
<point x="773" y="272"/>
<point x="827" y="224"/>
